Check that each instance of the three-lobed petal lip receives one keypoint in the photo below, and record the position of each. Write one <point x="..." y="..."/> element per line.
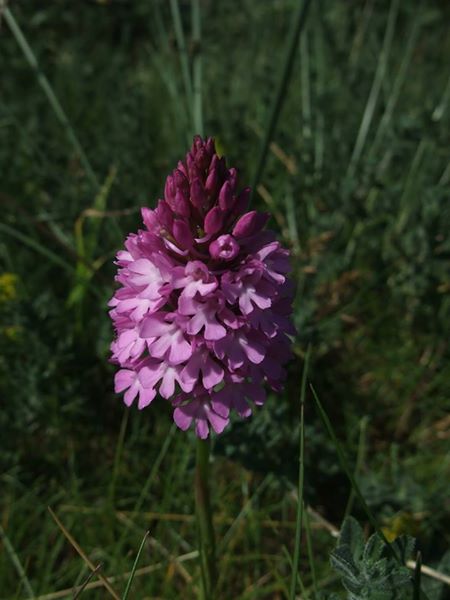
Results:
<point x="202" y="313"/>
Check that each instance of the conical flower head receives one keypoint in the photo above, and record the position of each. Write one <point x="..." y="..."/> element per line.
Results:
<point x="202" y="314"/>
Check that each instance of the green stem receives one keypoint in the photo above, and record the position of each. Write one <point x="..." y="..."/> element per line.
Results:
<point x="205" y="528"/>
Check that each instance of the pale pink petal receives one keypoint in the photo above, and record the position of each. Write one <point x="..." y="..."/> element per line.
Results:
<point x="201" y="427"/>
<point x="145" y="397"/>
<point x="160" y="347"/>
<point x="217" y="421"/>
<point x="154" y="326"/>
<point x="212" y="373"/>
<point x="123" y="379"/>
<point x="167" y="387"/>
<point x="131" y="394"/>
<point x="182" y="419"/>
<point x="180" y="350"/>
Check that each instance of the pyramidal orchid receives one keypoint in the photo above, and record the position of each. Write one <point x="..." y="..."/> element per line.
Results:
<point x="202" y="314"/>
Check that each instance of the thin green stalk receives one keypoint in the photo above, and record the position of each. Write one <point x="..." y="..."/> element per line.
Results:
<point x="243" y="513"/>
<point x="118" y="456"/>
<point x="369" y="109"/>
<point x="285" y="75"/>
<point x="16" y="562"/>
<point x="29" y="241"/>
<point x="305" y="89"/>
<point x="386" y="119"/>
<point x="83" y="586"/>
<point x="303" y="592"/>
<point x="146" y="487"/>
<point x="197" y="109"/>
<point x="184" y="58"/>
<point x="359" y="461"/>
<point x="301" y="471"/>
<point x="154" y="471"/>
<point x="445" y="175"/>
<point x="411" y="185"/>
<point x="205" y="527"/>
<point x="417" y="574"/>
<point x="345" y="467"/>
<point x="50" y="94"/>
<point x="135" y="564"/>
<point x="440" y="109"/>
<point x="309" y="547"/>
<point x="320" y="87"/>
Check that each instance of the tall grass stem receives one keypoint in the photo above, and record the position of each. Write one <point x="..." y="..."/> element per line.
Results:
<point x="197" y="107"/>
<point x="359" y="461"/>
<point x="285" y="75"/>
<point x="135" y="564"/>
<point x="345" y="467"/>
<point x="301" y="471"/>
<point x="374" y="93"/>
<point x="182" y="50"/>
<point x="4" y="539"/>
<point x="50" y="94"/>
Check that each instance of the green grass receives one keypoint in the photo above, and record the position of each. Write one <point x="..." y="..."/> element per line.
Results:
<point x="97" y="105"/>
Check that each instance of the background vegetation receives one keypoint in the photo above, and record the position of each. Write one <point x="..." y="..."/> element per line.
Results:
<point x="357" y="180"/>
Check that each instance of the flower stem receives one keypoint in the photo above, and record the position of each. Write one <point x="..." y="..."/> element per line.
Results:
<point x="205" y="528"/>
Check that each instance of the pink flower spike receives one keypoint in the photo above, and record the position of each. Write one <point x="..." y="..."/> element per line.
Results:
<point x="203" y="306"/>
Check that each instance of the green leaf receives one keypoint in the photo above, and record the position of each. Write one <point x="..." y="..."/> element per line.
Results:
<point x="352" y="535"/>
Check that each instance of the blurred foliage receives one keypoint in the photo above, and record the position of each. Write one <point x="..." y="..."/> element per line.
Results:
<point x="357" y="182"/>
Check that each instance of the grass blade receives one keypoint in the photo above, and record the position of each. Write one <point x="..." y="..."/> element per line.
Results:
<point x="184" y="58"/>
<point x="440" y="109"/>
<point x="197" y="109"/>
<point x="16" y="562"/>
<point x="309" y="547"/>
<point x="286" y="71"/>
<point x="374" y="93"/>
<point x="118" y="457"/>
<point x="83" y="555"/>
<point x="417" y="573"/>
<point x="133" y="570"/>
<point x="345" y="467"/>
<point x="301" y="470"/>
<point x="86" y="582"/>
<point x="50" y="94"/>
<point x="359" y="461"/>
<point x="28" y="241"/>
<point x="385" y="120"/>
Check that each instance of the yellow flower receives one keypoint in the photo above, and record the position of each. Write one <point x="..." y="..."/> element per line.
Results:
<point x="11" y="332"/>
<point x="8" y="287"/>
<point x="401" y="523"/>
